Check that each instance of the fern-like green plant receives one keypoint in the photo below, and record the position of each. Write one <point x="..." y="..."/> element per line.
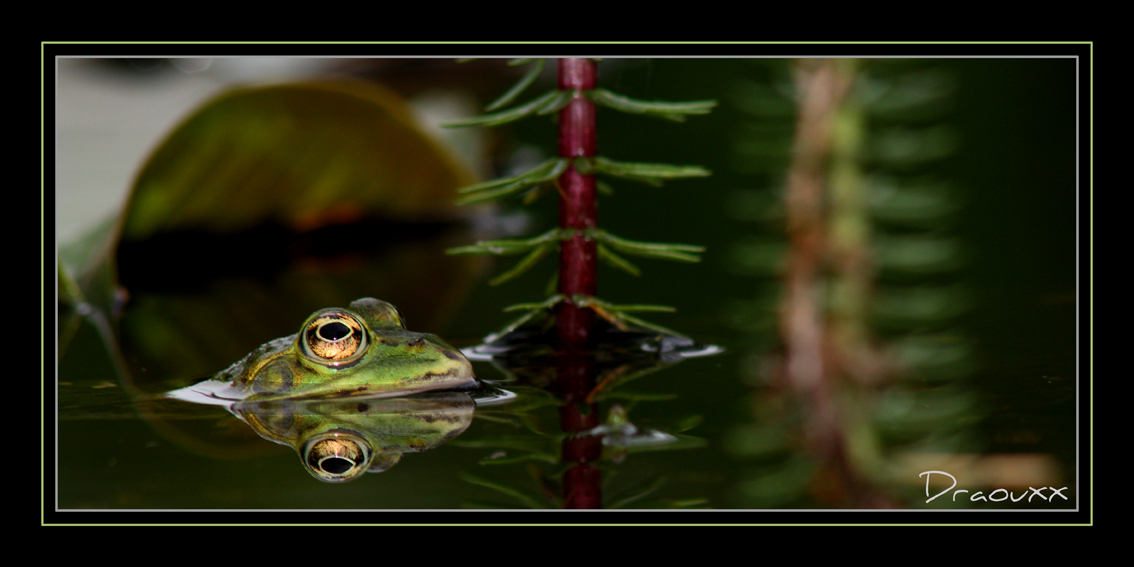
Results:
<point x="874" y="333"/>
<point x="574" y="175"/>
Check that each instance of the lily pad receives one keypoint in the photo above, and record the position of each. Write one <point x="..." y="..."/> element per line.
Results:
<point x="303" y="155"/>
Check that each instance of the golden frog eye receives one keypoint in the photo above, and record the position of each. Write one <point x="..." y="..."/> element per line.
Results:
<point x="334" y="337"/>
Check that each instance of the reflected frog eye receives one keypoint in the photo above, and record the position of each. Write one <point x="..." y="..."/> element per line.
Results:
<point x="337" y="457"/>
<point x="334" y="337"/>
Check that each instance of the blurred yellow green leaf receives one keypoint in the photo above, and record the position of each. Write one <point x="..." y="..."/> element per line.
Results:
<point x="302" y="155"/>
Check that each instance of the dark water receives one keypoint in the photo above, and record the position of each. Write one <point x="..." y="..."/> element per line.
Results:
<point x="1011" y="399"/>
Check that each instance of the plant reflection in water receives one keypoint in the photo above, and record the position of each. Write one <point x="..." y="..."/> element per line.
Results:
<point x="577" y="381"/>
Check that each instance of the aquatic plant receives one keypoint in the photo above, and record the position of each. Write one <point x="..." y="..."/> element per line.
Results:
<point x="867" y="270"/>
<point x="576" y="358"/>
<point x="574" y="175"/>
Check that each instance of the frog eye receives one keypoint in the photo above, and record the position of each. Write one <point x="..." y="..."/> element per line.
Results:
<point x="336" y="457"/>
<point x="334" y="337"/>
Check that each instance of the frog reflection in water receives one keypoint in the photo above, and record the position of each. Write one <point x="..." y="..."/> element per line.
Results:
<point x="361" y="351"/>
<point x="339" y="439"/>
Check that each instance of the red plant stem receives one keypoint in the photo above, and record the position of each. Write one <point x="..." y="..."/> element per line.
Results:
<point x="577" y="202"/>
<point x="577" y="266"/>
<point x="582" y="482"/>
<point x="582" y="487"/>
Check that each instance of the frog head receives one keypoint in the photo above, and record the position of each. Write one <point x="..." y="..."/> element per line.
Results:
<point x="364" y="350"/>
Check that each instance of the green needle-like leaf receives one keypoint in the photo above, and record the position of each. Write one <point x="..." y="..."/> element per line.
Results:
<point x="536" y="171"/>
<point x="637" y="495"/>
<point x="521" y="266"/>
<point x="533" y="309"/>
<point x="545" y="304"/>
<point x="616" y="314"/>
<point x="636" y="307"/>
<point x="519" y="87"/>
<point x="520" y="459"/>
<point x="624" y="318"/>
<point x="534" y="195"/>
<point x="504" y="247"/>
<point x="490" y="195"/>
<point x="680" y="252"/>
<point x="539" y="104"/>
<point x="506" y="490"/>
<point x="675" y="111"/>
<point x="652" y="173"/>
<point x="617" y="261"/>
<point x="556" y="103"/>
<point x="544" y="172"/>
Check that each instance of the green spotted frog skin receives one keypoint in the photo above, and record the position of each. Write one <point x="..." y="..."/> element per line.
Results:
<point x="361" y="351"/>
